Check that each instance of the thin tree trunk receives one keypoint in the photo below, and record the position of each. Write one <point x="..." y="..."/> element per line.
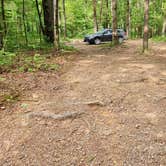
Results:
<point x="164" y="26"/>
<point x="101" y="12"/>
<point x="3" y="27"/>
<point x="128" y="18"/>
<point x="3" y="16"/>
<point x="146" y="25"/>
<point x="114" y="22"/>
<point x="40" y="19"/>
<point x="64" y="15"/>
<point x="95" y="16"/>
<point x="56" y="25"/>
<point x="25" y="28"/>
<point x="60" y="13"/>
<point x="107" y="14"/>
<point x="85" y="13"/>
<point x="1" y="38"/>
<point x="48" y="19"/>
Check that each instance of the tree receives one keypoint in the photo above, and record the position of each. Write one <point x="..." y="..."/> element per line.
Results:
<point x="64" y="15"/>
<point x="114" y="22"/>
<point x="164" y="19"/>
<point x="23" y="17"/>
<point x="40" y="18"/>
<point x="128" y="17"/>
<point x="95" y="16"/>
<point x="3" y="28"/>
<point x="56" y="24"/>
<point x="1" y="37"/>
<point x="107" y="15"/>
<point x="146" y="25"/>
<point x="48" y="19"/>
<point x="164" y="26"/>
<point x="101" y="12"/>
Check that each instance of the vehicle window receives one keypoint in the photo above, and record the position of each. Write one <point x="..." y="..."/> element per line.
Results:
<point x="100" y="32"/>
<point x="107" y="33"/>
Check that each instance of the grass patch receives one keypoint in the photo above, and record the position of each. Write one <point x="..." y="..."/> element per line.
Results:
<point x="9" y="92"/>
<point x="159" y="39"/>
<point x="10" y="62"/>
<point x="67" y="48"/>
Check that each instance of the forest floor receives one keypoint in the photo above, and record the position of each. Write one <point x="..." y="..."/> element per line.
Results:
<point x="106" y="107"/>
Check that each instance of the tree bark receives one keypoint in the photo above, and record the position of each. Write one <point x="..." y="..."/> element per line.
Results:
<point x="164" y="26"/>
<point x="1" y="40"/>
<point x="40" y="19"/>
<point x="114" y="22"/>
<point x="64" y="15"/>
<point x="128" y="18"/>
<point x="95" y="16"/>
<point x="107" y="14"/>
<point x="56" y="25"/>
<point x="146" y="25"/>
<point x="48" y="19"/>
<point x="3" y="16"/>
<point x="3" y="27"/>
<point x="101" y="12"/>
<point x="23" y="17"/>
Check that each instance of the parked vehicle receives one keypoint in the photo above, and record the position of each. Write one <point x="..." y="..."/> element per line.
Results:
<point x="104" y="35"/>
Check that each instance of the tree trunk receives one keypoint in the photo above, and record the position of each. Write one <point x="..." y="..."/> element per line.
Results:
<point x="56" y="25"/>
<point x="1" y="38"/>
<point x="95" y="16"/>
<point x="107" y="14"/>
<point x="64" y="15"/>
<point x="40" y="19"/>
<point x="101" y="12"/>
<point x="3" y="16"/>
<point x="164" y="26"/>
<point x="48" y="20"/>
<point x="3" y="28"/>
<point x="85" y="13"/>
<point x="146" y="25"/>
<point x="23" y="17"/>
<point x="114" y="22"/>
<point x="128" y="18"/>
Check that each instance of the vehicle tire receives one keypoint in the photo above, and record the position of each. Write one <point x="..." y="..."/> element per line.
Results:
<point x="89" y="42"/>
<point x="97" y="41"/>
<point x="120" y="40"/>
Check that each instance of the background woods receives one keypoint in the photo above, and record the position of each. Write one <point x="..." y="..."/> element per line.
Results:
<point x="31" y="24"/>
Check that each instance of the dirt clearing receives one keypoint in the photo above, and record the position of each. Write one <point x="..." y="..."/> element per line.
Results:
<point x="112" y="108"/>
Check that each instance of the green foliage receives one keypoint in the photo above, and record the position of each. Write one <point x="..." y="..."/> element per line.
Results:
<point x="159" y="39"/>
<point x="7" y="60"/>
<point x="24" y="63"/>
<point x="35" y="63"/>
<point x="10" y="98"/>
<point x="67" y="48"/>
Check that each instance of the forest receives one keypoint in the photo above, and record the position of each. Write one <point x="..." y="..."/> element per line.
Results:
<point x="82" y="82"/>
<point x="30" y="24"/>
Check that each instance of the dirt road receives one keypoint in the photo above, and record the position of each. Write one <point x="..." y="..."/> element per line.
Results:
<point x="121" y="97"/>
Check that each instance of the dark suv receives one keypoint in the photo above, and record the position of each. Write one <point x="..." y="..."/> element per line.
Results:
<point x="104" y="36"/>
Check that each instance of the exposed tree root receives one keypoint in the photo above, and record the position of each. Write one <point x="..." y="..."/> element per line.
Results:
<point x="91" y="103"/>
<point x="66" y="115"/>
<point x="132" y="81"/>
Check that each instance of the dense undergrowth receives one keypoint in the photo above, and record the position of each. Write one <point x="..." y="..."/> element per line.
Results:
<point x="11" y="62"/>
<point x="159" y="39"/>
<point x="31" y="59"/>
